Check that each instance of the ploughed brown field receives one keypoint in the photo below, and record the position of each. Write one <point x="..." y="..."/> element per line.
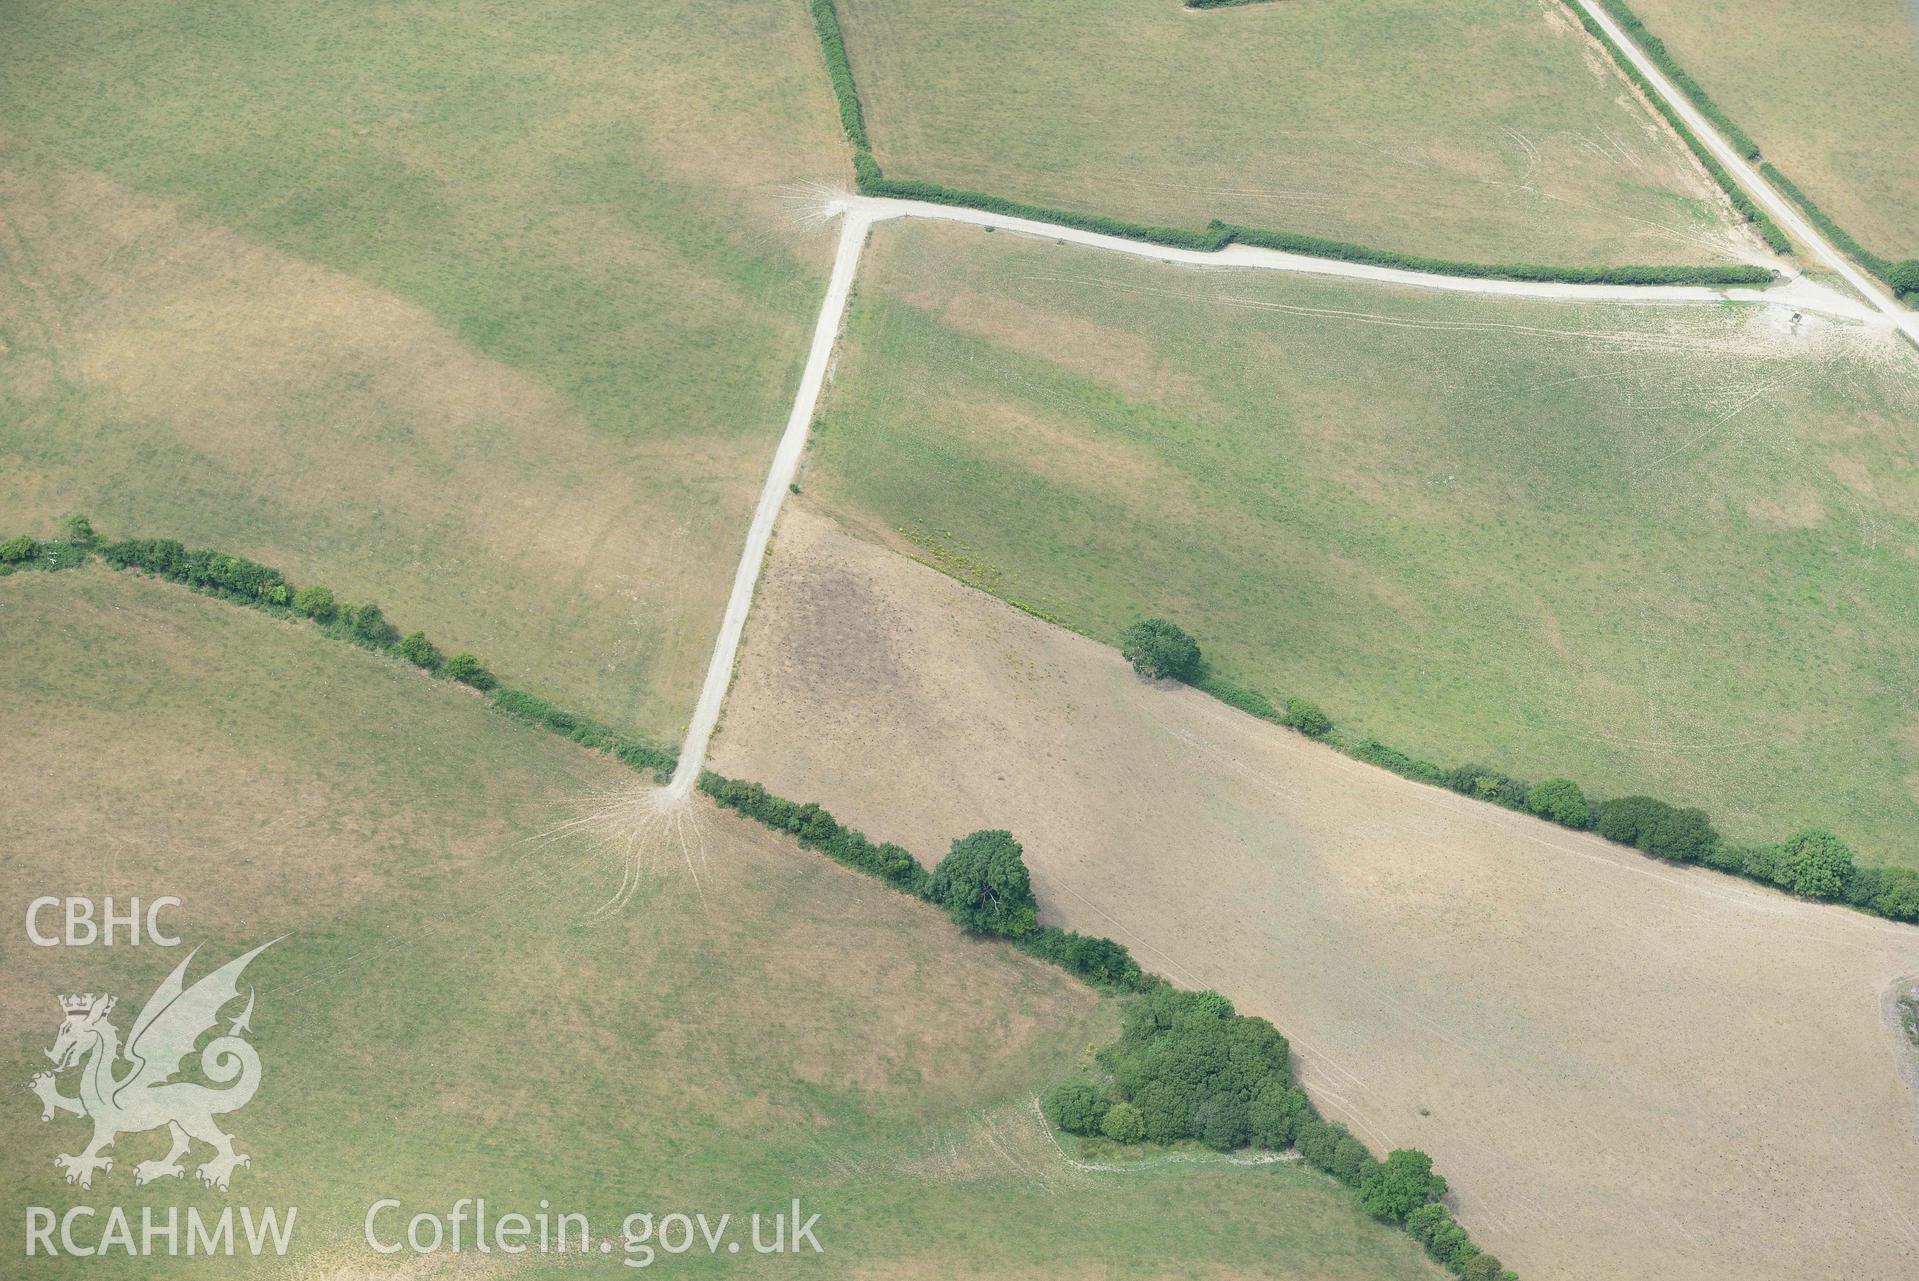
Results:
<point x="1625" y="1068"/>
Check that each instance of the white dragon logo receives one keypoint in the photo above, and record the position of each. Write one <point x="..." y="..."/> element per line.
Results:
<point x="146" y="1097"/>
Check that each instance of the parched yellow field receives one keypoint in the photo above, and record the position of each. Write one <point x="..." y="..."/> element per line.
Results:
<point x="1495" y="132"/>
<point x="489" y="315"/>
<point x="1829" y="91"/>
<point x="1625" y="1069"/>
<point x="466" y="1005"/>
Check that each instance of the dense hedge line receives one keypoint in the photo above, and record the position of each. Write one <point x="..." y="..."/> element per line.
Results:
<point x="1320" y="247"/>
<point x="247" y="582"/>
<point x="634" y="752"/>
<point x="1214" y="238"/>
<point x="1656" y="49"/>
<point x="826" y="23"/>
<point x="1903" y="277"/>
<point x="1186" y="1065"/>
<point x="1217" y="235"/>
<point x="1762" y="221"/>
<point x="819" y="830"/>
<point x="1099" y="961"/>
<point x="1810" y="863"/>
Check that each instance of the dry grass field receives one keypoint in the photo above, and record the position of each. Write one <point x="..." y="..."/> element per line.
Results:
<point x="1626" y="1069"/>
<point x="452" y="1013"/>
<point x="1496" y="132"/>
<point x="1652" y="549"/>
<point x="1830" y="92"/>
<point x="489" y="315"/>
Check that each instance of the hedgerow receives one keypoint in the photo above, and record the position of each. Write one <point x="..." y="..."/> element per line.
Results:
<point x="826" y="22"/>
<point x="1187" y="1066"/>
<point x="246" y="582"/>
<point x="1768" y="229"/>
<point x="1881" y="267"/>
<point x="1217" y="235"/>
<point x="585" y="731"/>
<point x="1656" y="50"/>
<point x="1320" y="247"/>
<point x="1812" y="864"/>
<point x="26" y="552"/>
<point x="1100" y="961"/>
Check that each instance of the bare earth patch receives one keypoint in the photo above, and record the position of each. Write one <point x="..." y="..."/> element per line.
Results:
<point x="1626" y="1069"/>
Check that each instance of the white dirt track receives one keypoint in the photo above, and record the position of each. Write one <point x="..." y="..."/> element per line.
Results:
<point x="859" y="213"/>
<point x="1783" y="211"/>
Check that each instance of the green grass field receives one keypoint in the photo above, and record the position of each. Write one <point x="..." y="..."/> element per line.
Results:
<point x="1497" y="132"/>
<point x="1652" y="549"/>
<point x="448" y="1017"/>
<point x="1830" y="92"/>
<point x="490" y="314"/>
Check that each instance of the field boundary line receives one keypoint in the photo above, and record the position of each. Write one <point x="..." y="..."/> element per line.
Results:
<point x="870" y="181"/>
<point x="860" y="213"/>
<point x="1749" y="178"/>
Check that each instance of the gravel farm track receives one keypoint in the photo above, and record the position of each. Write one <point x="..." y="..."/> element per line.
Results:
<point x="859" y="213"/>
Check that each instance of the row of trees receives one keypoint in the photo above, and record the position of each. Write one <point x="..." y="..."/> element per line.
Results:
<point x="1812" y="863"/>
<point x="982" y="883"/>
<point x="248" y="582"/>
<point x="1187" y="1066"/>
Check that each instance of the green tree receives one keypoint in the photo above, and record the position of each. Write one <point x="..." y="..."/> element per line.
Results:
<point x="1904" y="278"/>
<point x="1123" y="1123"/>
<point x="1220" y="1122"/>
<point x="79" y="531"/>
<point x="1400" y="1184"/>
<point x="1686" y="836"/>
<point x="316" y="603"/>
<point x="1482" y="1267"/>
<point x="1655" y="827"/>
<point x="1814" y="863"/>
<point x="369" y="625"/>
<point x="982" y="882"/>
<point x="1351" y="1163"/>
<point x="1307" y="718"/>
<point x="1426" y="1222"/>
<point x="419" y="651"/>
<point x="1898" y="895"/>
<point x="1075" y="1107"/>
<point x="1318" y="1141"/>
<point x="16" y="550"/>
<point x="466" y="669"/>
<point x="1559" y="800"/>
<point x="1275" y="1114"/>
<point x="1160" y="650"/>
